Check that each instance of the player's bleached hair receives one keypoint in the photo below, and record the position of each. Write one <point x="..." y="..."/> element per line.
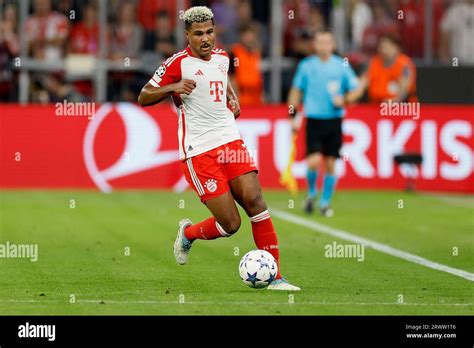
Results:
<point x="197" y="14"/>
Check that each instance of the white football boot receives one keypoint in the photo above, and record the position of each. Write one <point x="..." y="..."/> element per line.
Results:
<point x="282" y="284"/>
<point x="182" y="245"/>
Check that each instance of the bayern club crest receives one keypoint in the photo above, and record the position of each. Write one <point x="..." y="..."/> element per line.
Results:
<point x="211" y="185"/>
<point x="223" y="68"/>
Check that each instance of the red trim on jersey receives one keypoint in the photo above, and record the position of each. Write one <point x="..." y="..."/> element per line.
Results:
<point x="172" y="72"/>
<point x="173" y="57"/>
<point x="220" y="52"/>
<point x="213" y="51"/>
<point x="183" y="117"/>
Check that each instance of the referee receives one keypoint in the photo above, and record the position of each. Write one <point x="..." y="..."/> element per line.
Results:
<point x="325" y="83"/>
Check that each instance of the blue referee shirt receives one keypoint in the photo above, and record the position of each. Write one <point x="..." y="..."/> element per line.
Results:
<point x="320" y="81"/>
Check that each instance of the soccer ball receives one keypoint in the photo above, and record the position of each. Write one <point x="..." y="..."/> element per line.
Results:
<point x="258" y="268"/>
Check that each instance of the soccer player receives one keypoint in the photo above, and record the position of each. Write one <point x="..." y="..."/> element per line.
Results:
<point x="214" y="158"/>
<point x="325" y="83"/>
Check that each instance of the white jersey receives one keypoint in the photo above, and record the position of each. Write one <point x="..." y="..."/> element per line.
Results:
<point x="205" y="121"/>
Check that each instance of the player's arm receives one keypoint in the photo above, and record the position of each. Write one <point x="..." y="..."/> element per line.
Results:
<point x="404" y="85"/>
<point x="355" y="94"/>
<point x="151" y="95"/>
<point x="350" y="97"/>
<point x="354" y="88"/>
<point x="232" y="100"/>
<point x="294" y="100"/>
<point x="298" y="89"/>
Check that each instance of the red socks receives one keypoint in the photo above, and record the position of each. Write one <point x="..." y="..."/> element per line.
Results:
<point x="265" y="236"/>
<point x="264" y="233"/>
<point x="207" y="229"/>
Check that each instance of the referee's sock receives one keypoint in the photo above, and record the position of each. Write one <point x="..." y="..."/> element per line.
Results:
<point x="312" y="176"/>
<point x="328" y="190"/>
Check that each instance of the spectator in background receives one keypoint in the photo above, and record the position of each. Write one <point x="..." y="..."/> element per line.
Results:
<point x="412" y="25"/>
<point x="245" y="68"/>
<point x="349" y="28"/>
<point x="381" y="25"/>
<point x="85" y="34"/>
<point x="295" y="21"/>
<point x="9" y="49"/>
<point x="46" y="32"/>
<point x="301" y="38"/>
<point x="148" y="9"/>
<point x="361" y="18"/>
<point x="391" y="74"/>
<point x="126" y="45"/>
<point x="58" y="90"/>
<point x="245" y="18"/>
<point x="70" y="8"/>
<point x="457" y="33"/>
<point x="162" y="39"/>
<point x="85" y="40"/>
<point x="127" y="35"/>
<point x="115" y="7"/>
<point x="225" y="16"/>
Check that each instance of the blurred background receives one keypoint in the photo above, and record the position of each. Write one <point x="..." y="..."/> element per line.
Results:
<point x="106" y="50"/>
<point x="91" y="52"/>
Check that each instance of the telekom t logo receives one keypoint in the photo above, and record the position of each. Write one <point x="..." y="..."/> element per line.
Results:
<point x="215" y="90"/>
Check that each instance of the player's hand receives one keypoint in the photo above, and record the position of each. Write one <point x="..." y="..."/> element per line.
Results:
<point x="296" y="123"/>
<point x="185" y="86"/>
<point x="338" y="101"/>
<point x="234" y="106"/>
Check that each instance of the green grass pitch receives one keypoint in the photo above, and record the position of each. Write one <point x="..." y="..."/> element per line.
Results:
<point x="84" y="267"/>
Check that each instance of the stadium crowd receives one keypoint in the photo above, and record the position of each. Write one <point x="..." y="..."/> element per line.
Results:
<point x="144" y="30"/>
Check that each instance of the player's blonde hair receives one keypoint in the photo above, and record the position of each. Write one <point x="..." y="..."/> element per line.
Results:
<point x="197" y="14"/>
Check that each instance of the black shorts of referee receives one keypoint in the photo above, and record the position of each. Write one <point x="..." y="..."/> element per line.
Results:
<point x="324" y="136"/>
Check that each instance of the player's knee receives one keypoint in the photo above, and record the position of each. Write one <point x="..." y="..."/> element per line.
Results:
<point x="255" y="203"/>
<point x="331" y="165"/>
<point x="231" y="225"/>
<point x="314" y="162"/>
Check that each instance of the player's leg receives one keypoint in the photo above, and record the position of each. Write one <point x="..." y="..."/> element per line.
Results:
<point x="247" y="192"/>
<point x="314" y="159"/>
<point x="331" y="148"/>
<point x="224" y="222"/>
<point x="207" y="178"/>
<point x="245" y="188"/>
<point x="329" y="184"/>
